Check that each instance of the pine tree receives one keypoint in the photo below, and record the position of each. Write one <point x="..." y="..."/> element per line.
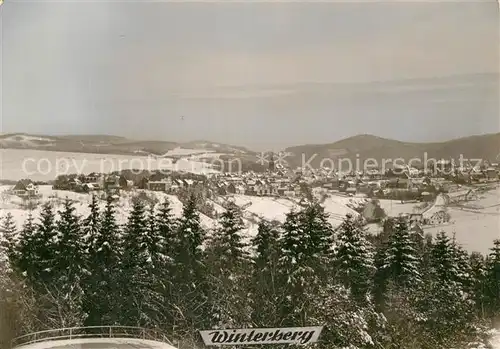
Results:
<point x="166" y="230"/>
<point x="402" y="258"/>
<point x="447" y="312"/>
<point x="478" y="275"/>
<point x="493" y="280"/>
<point x="101" y="282"/>
<point x="228" y="242"/>
<point x="443" y="259"/>
<point x="264" y="286"/>
<point x="25" y="251"/>
<point x="69" y="267"/>
<point x="400" y="267"/>
<point x="190" y="295"/>
<point x="8" y="240"/>
<point x="190" y="239"/>
<point x="38" y="248"/>
<point x="71" y="246"/>
<point x="154" y="243"/>
<point x="354" y="263"/>
<point x="136" y="265"/>
<point x="228" y="260"/>
<point x="166" y="227"/>
<point x="294" y="271"/>
<point x="461" y="258"/>
<point x="320" y="240"/>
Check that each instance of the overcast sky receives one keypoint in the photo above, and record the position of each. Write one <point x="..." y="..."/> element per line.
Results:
<point x="261" y="75"/>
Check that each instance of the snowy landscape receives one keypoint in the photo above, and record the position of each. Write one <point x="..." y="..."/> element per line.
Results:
<point x="472" y="213"/>
<point x="186" y="175"/>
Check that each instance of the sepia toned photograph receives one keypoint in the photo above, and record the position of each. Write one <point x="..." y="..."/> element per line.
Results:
<point x="249" y="174"/>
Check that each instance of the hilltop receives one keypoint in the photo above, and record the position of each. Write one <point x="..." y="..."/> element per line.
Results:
<point x="367" y="146"/>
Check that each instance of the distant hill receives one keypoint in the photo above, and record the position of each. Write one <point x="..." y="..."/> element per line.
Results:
<point x="363" y="147"/>
<point x="108" y="144"/>
<point x="357" y="148"/>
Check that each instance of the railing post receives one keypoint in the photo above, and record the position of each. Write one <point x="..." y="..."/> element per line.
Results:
<point x="110" y="332"/>
<point x="70" y="333"/>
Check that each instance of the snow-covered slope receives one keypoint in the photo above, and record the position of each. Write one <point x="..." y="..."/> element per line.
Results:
<point x="41" y="165"/>
<point x="254" y="208"/>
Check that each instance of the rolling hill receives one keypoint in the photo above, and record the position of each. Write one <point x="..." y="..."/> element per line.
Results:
<point x="357" y="149"/>
<point x="364" y="147"/>
<point x="107" y="144"/>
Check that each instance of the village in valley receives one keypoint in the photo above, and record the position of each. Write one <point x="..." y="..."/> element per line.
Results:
<point x="428" y="198"/>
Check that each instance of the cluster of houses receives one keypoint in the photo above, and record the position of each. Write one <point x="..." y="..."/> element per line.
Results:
<point x="278" y="181"/>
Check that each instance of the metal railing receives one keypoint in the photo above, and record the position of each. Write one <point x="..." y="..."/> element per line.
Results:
<point x="90" y="332"/>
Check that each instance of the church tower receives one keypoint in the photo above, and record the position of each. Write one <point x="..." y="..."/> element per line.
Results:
<point x="272" y="166"/>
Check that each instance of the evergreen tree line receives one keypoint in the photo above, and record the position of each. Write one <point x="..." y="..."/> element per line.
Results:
<point x="398" y="289"/>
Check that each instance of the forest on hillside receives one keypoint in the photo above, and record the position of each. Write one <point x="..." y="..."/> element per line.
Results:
<point x="395" y="290"/>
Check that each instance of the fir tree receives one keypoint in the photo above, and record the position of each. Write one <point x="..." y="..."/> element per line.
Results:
<point x="306" y="249"/>
<point x="69" y="264"/>
<point x="353" y="259"/>
<point x="446" y="311"/>
<point x="136" y="266"/>
<point x="190" y="238"/>
<point x="8" y="240"/>
<point x="493" y="280"/>
<point x="320" y="240"/>
<point x="264" y="286"/>
<point x="71" y="245"/>
<point x="190" y="295"/>
<point x="25" y="248"/>
<point x="443" y="259"/>
<point x="101" y="284"/>
<point x="401" y="267"/>
<point x="39" y="250"/>
<point x="402" y="258"/>
<point x="478" y="287"/>
<point x="166" y="230"/>
<point x="293" y="271"/>
<point x="228" y="243"/>
<point x="228" y="260"/>
<point x="166" y="227"/>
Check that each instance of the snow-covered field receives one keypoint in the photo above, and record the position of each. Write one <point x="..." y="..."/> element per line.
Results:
<point x="254" y="208"/>
<point x="13" y="204"/>
<point x="41" y="165"/>
<point x="475" y="223"/>
<point x="395" y="208"/>
<point x="184" y="152"/>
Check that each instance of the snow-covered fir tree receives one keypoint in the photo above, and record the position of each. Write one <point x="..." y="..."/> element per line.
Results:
<point x="38" y="248"/>
<point x="70" y="245"/>
<point x="8" y="243"/>
<point x="354" y="266"/>
<point x="319" y="240"/>
<point x="103" y="261"/>
<point x="294" y="271"/>
<point x="402" y="258"/>
<point x="189" y="298"/>
<point x="478" y="275"/>
<point x="493" y="280"/>
<point x="447" y="312"/>
<point x="400" y="267"/>
<point x="264" y="285"/>
<point x="228" y="260"/>
<point x="140" y="266"/>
